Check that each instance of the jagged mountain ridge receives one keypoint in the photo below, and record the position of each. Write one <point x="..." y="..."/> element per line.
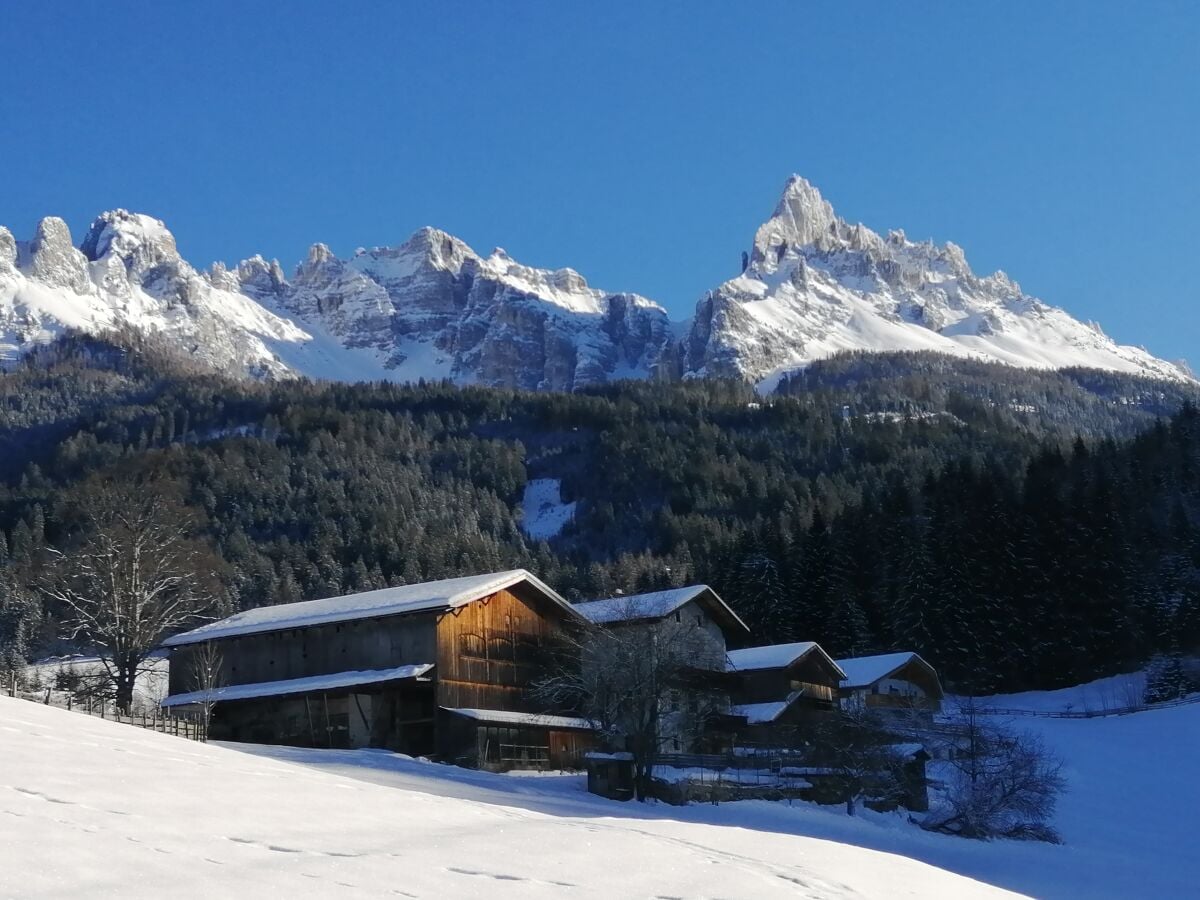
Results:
<point x="429" y="308"/>
<point x="433" y="308"/>
<point x="816" y="285"/>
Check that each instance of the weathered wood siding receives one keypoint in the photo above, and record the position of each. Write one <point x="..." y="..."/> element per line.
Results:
<point x="489" y="652"/>
<point x="379" y="643"/>
<point x="487" y="655"/>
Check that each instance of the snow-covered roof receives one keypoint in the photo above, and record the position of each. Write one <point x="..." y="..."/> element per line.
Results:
<point x="862" y="671"/>
<point x="639" y="606"/>
<point x="430" y="595"/>
<point x="508" y="717"/>
<point x="655" y="605"/>
<point x="298" y="685"/>
<point x="773" y="656"/>
<point x="761" y="713"/>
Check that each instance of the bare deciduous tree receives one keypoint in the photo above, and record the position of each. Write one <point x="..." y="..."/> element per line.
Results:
<point x="1002" y="783"/>
<point x="205" y="678"/>
<point x="857" y="748"/>
<point x="135" y="577"/>
<point x="643" y="685"/>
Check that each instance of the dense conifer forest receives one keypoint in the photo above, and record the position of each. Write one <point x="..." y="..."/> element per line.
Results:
<point x="1019" y="529"/>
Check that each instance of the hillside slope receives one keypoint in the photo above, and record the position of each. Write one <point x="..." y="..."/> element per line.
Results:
<point x="1120" y="815"/>
<point x="91" y="808"/>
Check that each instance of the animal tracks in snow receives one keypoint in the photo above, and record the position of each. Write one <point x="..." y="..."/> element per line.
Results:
<point x="500" y="876"/>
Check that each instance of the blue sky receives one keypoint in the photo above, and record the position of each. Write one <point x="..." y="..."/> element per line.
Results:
<point x="1058" y="141"/>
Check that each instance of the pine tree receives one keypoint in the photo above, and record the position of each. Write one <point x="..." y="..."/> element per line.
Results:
<point x="1165" y="678"/>
<point x="18" y="621"/>
<point x="757" y="588"/>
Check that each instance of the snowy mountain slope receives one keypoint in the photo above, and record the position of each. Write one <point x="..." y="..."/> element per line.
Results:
<point x="816" y="285"/>
<point x="92" y="808"/>
<point x="433" y="308"/>
<point x="127" y="273"/>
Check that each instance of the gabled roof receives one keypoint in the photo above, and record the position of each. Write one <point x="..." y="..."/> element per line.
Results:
<point x="408" y="598"/>
<point x="307" y="685"/>
<point x="775" y="656"/>
<point x="659" y="605"/>
<point x="862" y="671"/>
<point x="765" y="713"/>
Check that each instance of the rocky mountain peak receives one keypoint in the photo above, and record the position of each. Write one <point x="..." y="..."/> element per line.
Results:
<point x="54" y="260"/>
<point x="219" y="276"/>
<point x="801" y="218"/>
<point x="319" y="255"/>
<point x="568" y="280"/>
<point x="142" y="243"/>
<point x="8" y="250"/>
<point x="432" y="247"/>
<point x="260" y="278"/>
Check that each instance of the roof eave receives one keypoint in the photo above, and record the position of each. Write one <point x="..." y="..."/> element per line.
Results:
<point x="724" y="607"/>
<point x="516" y="576"/>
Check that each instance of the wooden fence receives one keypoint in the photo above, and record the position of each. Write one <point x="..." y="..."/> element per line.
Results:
<point x="749" y="758"/>
<point x="1085" y="713"/>
<point x="189" y="726"/>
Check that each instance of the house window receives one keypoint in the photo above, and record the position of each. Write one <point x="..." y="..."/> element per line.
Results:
<point x="678" y="616"/>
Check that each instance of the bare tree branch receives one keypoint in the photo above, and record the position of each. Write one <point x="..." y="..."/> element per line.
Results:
<point x="135" y="577"/>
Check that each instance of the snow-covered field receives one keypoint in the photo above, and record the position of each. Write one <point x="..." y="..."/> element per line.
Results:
<point x="1125" y="819"/>
<point x="90" y="808"/>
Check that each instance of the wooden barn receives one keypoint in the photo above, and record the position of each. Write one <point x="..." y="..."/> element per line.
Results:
<point x="439" y="669"/>
<point x="780" y="687"/>
<point x="891" y="681"/>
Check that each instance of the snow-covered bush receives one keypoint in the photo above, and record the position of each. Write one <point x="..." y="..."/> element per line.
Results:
<point x="999" y="782"/>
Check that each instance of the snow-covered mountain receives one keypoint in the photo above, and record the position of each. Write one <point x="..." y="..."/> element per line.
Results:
<point x="815" y="284"/>
<point x="127" y="272"/>
<point x="429" y="308"/>
<point x="433" y="308"/>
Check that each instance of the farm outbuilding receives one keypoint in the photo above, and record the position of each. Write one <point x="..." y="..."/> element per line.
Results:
<point x="890" y="682"/>
<point x="438" y="669"/>
<point x="780" y="687"/>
